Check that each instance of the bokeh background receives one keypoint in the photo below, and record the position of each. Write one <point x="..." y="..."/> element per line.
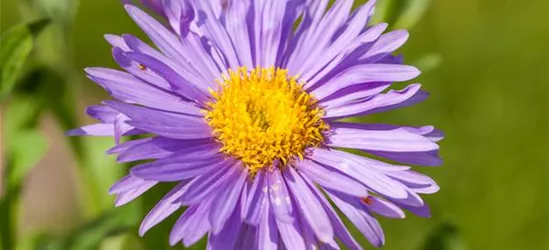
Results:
<point x="485" y="62"/>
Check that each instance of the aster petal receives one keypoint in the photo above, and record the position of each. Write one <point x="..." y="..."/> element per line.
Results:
<point x="192" y="225"/>
<point x="224" y="205"/>
<point x="346" y="36"/>
<point x="228" y="236"/>
<point x="311" y="209"/>
<point x="129" y="195"/>
<point x="178" y="83"/>
<point x="127" y="88"/>
<point x="183" y="67"/>
<point x="213" y="29"/>
<point x="385" y="45"/>
<point x="350" y="55"/>
<point x="353" y="93"/>
<point x="205" y="186"/>
<point x="422" y="211"/>
<point x="128" y="183"/>
<point x="290" y="234"/>
<point x="412" y="178"/>
<point x="340" y="229"/>
<point x="331" y="179"/>
<point x="164" y="208"/>
<point x="194" y="161"/>
<point x="394" y="140"/>
<point x="117" y="41"/>
<point x="365" y="73"/>
<point x="170" y="125"/>
<point x="158" y="147"/>
<point x="165" y="40"/>
<point x="268" y="232"/>
<point x="137" y="70"/>
<point x="429" y="158"/>
<point x="382" y="102"/>
<point x="98" y="129"/>
<point x="121" y="127"/>
<point x="180" y="15"/>
<point x="237" y="27"/>
<point x="257" y="198"/>
<point x="372" y="178"/>
<point x="155" y="5"/>
<point x="384" y="208"/>
<point x="103" y="113"/>
<point x="279" y="197"/>
<point x="117" y="149"/>
<point x="361" y="218"/>
<point x="322" y="34"/>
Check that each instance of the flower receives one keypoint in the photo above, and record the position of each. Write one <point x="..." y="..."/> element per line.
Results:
<point x="244" y="113"/>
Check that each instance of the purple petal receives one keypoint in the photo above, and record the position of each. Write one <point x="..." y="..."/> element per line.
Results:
<point x="208" y="184"/>
<point x="291" y="235"/>
<point x="354" y="93"/>
<point x="127" y="88"/>
<point x="99" y="129"/>
<point x="138" y="70"/>
<point x="180" y="14"/>
<point x="384" y="208"/>
<point x="237" y="28"/>
<point x="372" y="178"/>
<point x="158" y="147"/>
<point x="182" y="165"/>
<point x="331" y="179"/>
<point x="170" y="125"/>
<point x="127" y="196"/>
<point x="268" y="232"/>
<point x="340" y="229"/>
<point x="257" y="199"/>
<point x="395" y="140"/>
<point x="224" y="205"/>
<point x="379" y="103"/>
<point x="192" y="225"/>
<point x="117" y="41"/>
<point x="228" y="236"/>
<point x="178" y="83"/>
<point x="164" y="208"/>
<point x="412" y="178"/>
<point x="103" y="113"/>
<point x="363" y="220"/>
<point x="279" y="197"/>
<point x="366" y="73"/>
<point x="127" y="183"/>
<point x="310" y="207"/>
<point x="385" y="45"/>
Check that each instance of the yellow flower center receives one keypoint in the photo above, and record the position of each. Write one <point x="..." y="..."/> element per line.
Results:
<point x="263" y="117"/>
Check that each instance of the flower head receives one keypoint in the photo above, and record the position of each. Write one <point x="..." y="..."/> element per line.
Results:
<point x="244" y="112"/>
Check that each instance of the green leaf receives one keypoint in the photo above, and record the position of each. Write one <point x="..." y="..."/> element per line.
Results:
<point x="446" y="236"/>
<point x="29" y="147"/>
<point x="16" y="45"/>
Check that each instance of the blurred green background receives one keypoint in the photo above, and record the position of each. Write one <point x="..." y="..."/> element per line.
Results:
<point x="485" y="63"/>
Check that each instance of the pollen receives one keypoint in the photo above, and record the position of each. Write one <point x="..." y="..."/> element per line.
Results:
<point x="264" y="117"/>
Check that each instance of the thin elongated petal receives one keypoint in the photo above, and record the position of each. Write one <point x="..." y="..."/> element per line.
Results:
<point x="382" y="102"/>
<point x="268" y="232"/>
<point x="370" y="177"/>
<point x="227" y="238"/>
<point x="163" y="209"/>
<point x="366" y="73"/>
<point x="363" y="220"/>
<point x="311" y="209"/>
<point x="170" y="125"/>
<point x="332" y="179"/>
<point x="99" y="129"/>
<point x="159" y="147"/>
<point x="257" y="198"/>
<point x="184" y="165"/>
<point x="279" y="197"/>
<point x="396" y="140"/>
<point x="224" y="205"/>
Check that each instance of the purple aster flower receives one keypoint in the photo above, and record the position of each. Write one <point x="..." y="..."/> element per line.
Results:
<point x="245" y="113"/>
